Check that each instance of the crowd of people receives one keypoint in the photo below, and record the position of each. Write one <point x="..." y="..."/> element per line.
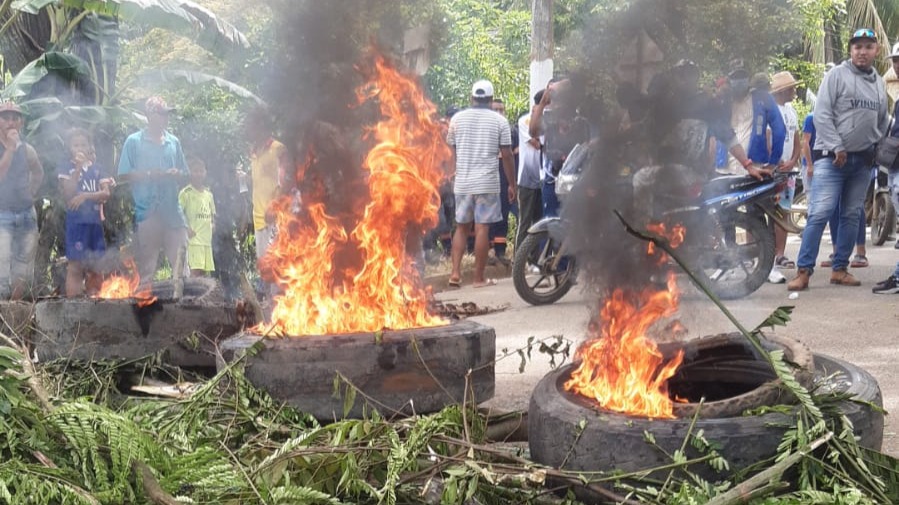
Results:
<point x="746" y="125"/>
<point x="174" y="208"/>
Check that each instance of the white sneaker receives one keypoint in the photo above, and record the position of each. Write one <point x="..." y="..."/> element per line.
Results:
<point x="775" y="277"/>
<point x="533" y="269"/>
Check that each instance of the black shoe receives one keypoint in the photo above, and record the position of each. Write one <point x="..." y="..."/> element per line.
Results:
<point x="896" y="245"/>
<point x="887" y="287"/>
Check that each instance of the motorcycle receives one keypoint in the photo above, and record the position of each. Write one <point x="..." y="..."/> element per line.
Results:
<point x="729" y="239"/>
<point x="542" y="271"/>
<point x="880" y="211"/>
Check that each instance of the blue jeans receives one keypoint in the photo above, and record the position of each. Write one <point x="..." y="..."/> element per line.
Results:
<point x="18" y="242"/>
<point x="832" y="186"/>
<point x="550" y="200"/>
<point x="835" y="226"/>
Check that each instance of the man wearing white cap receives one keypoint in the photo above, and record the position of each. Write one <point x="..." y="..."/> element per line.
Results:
<point x="478" y="135"/>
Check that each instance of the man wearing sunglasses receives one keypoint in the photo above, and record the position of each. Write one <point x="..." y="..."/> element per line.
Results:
<point x="850" y="117"/>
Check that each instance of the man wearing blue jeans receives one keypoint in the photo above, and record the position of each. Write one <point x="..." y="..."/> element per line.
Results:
<point x="21" y="175"/>
<point x="850" y="117"/>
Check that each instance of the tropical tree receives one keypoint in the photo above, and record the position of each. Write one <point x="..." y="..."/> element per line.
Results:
<point x="483" y="41"/>
<point x="827" y="24"/>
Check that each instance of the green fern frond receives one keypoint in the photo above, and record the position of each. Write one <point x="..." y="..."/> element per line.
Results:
<point x="290" y="495"/>
<point x="88" y="428"/>
<point x="26" y="484"/>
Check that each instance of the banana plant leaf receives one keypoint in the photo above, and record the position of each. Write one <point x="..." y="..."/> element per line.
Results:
<point x="31" y="6"/>
<point x="49" y="118"/>
<point x="104" y="31"/>
<point x="192" y="78"/>
<point x="182" y="17"/>
<point x="62" y="66"/>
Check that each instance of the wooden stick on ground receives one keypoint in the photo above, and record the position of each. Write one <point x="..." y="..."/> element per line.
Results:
<point x="178" y="273"/>
<point x="151" y="486"/>
<point x="743" y="492"/>
<point x="249" y="294"/>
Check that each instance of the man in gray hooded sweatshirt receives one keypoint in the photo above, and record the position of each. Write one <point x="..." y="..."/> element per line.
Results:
<point x="851" y="116"/>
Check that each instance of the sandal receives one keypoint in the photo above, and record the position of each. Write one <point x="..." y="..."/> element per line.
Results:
<point x="828" y="262"/>
<point x="487" y="282"/>
<point x="455" y="283"/>
<point x="784" y="263"/>
<point x="859" y="261"/>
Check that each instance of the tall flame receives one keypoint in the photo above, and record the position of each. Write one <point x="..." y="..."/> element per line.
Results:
<point x="620" y="367"/>
<point x="382" y="290"/>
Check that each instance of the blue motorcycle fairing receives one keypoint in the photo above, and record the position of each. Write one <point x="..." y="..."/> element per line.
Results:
<point x="739" y="197"/>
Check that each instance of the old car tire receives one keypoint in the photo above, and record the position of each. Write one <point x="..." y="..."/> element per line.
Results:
<point x="413" y="371"/>
<point x="569" y="432"/>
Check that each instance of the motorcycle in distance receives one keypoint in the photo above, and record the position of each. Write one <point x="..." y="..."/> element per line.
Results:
<point x="880" y="210"/>
<point x="729" y="238"/>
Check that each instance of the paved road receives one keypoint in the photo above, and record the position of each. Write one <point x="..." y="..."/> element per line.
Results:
<point x="844" y="322"/>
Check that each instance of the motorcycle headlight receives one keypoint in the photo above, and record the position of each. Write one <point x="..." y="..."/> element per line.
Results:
<point x="565" y="182"/>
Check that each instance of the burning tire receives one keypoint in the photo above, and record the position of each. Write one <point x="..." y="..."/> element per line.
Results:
<point x="396" y="372"/>
<point x="186" y="331"/>
<point x="739" y="263"/>
<point x="548" y="284"/>
<point x="570" y="432"/>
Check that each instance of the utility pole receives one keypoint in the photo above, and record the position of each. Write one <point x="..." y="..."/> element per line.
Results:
<point x="541" y="45"/>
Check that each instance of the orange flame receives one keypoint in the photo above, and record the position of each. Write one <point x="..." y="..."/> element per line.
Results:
<point x="675" y="237"/>
<point x="323" y="293"/>
<point x="120" y="287"/>
<point x="620" y="367"/>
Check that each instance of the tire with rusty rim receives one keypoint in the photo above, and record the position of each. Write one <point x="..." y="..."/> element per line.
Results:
<point x="570" y="432"/>
<point x="727" y="359"/>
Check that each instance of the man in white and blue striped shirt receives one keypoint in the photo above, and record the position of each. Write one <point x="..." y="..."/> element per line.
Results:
<point x="478" y="136"/>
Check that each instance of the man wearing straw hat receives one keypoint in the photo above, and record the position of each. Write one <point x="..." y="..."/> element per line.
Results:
<point x="783" y="89"/>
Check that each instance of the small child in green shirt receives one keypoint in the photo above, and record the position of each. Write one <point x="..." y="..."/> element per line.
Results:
<point x="199" y="210"/>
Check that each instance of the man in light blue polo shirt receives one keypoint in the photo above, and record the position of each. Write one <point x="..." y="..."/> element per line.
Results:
<point x="153" y="163"/>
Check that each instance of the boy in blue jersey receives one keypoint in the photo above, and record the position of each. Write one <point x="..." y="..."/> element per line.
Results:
<point x="85" y="190"/>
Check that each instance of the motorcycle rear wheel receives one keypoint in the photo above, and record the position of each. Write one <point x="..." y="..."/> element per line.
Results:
<point x="799" y="210"/>
<point x="736" y="270"/>
<point x="883" y="218"/>
<point x="547" y="286"/>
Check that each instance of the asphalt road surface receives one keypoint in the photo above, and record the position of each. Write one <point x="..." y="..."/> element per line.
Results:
<point x="849" y="323"/>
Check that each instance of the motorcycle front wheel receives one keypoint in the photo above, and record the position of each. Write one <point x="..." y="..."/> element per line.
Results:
<point x="735" y="260"/>
<point x="535" y="279"/>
